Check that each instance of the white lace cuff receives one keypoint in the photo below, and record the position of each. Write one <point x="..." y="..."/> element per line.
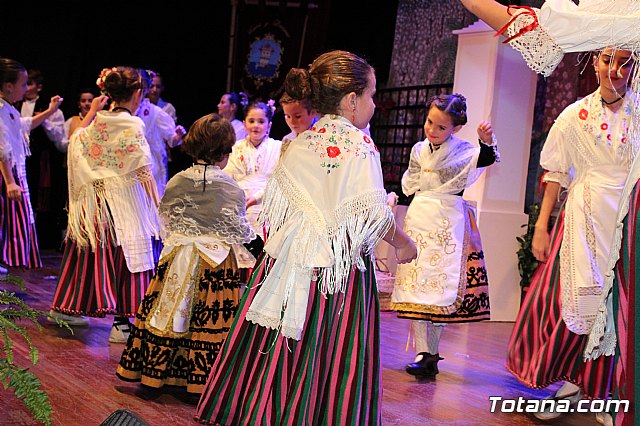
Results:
<point x="536" y="46"/>
<point x="493" y="145"/>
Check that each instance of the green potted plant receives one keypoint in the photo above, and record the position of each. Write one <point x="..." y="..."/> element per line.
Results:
<point x="527" y="263"/>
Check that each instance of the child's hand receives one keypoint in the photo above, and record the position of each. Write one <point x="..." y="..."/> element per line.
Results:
<point x="540" y="245"/>
<point x="55" y="102"/>
<point x="14" y="191"/>
<point x="392" y="199"/>
<point x="406" y="253"/>
<point x="485" y="132"/>
<point x="98" y="103"/>
<point x="250" y="201"/>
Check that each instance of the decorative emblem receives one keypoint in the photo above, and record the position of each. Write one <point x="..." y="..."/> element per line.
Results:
<point x="265" y="58"/>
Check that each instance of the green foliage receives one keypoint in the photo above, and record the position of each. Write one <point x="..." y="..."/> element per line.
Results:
<point x="26" y="386"/>
<point x="527" y="263"/>
<point x="24" y="383"/>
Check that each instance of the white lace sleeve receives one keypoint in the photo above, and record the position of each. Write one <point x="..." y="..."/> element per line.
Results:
<point x="554" y="157"/>
<point x="536" y="46"/>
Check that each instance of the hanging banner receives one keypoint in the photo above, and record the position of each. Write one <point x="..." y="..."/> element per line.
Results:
<point x="264" y="60"/>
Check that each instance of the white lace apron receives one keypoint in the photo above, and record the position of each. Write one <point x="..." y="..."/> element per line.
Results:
<point x="588" y="234"/>
<point x="436" y="223"/>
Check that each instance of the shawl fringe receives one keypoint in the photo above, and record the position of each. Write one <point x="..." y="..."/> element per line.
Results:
<point x="92" y="212"/>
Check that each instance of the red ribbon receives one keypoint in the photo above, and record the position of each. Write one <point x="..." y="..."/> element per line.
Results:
<point x="526" y="10"/>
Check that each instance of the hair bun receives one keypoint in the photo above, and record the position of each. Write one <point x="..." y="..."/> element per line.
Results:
<point x="461" y="97"/>
<point x="297" y="84"/>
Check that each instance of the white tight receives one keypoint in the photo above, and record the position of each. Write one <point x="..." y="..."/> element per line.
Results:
<point x="427" y="336"/>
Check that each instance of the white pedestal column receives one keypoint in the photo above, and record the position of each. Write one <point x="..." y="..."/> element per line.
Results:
<point x="500" y="88"/>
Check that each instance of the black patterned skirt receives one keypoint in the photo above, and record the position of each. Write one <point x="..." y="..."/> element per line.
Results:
<point x="185" y="361"/>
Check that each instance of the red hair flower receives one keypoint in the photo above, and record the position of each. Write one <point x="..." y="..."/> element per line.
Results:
<point x="583" y="114"/>
<point x="333" y="151"/>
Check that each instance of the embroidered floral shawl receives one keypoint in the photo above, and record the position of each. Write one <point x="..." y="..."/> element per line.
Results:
<point x="111" y="188"/>
<point x="326" y="207"/>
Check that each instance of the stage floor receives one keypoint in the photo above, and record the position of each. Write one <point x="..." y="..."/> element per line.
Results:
<point x="77" y="371"/>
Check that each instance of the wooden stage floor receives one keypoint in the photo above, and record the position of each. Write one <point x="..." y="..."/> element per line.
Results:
<point x="77" y="371"/>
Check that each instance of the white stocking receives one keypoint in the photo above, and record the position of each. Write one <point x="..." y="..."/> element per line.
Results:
<point x="433" y="337"/>
<point x="427" y="336"/>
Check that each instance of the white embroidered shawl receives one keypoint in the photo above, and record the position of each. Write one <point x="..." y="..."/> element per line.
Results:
<point x="111" y="188"/>
<point x="14" y="135"/>
<point x="251" y="168"/>
<point x="203" y="217"/>
<point x="326" y="207"/>
<point x="447" y="170"/>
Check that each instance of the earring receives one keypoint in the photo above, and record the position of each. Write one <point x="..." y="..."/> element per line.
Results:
<point x="353" y="115"/>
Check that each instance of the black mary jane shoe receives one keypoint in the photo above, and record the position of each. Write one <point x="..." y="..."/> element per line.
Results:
<point x="427" y="367"/>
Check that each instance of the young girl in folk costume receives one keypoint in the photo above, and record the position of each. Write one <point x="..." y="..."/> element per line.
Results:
<point x="108" y="259"/>
<point x="304" y="347"/>
<point x="160" y="131"/>
<point x="19" y="242"/>
<point x="448" y="281"/>
<point x="191" y="302"/>
<point x="586" y="153"/>
<point x="251" y="163"/>
<point x="299" y="115"/>
<point x="232" y="107"/>
<point x="596" y="126"/>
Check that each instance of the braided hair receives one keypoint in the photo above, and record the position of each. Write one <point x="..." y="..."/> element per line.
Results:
<point x="455" y="105"/>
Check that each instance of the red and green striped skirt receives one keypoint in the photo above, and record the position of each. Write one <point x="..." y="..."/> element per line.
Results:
<point x="96" y="283"/>
<point x="329" y="377"/>
<point x="626" y="316"/>
<point x="19" y="242"/>
<point x="542" y="350"/>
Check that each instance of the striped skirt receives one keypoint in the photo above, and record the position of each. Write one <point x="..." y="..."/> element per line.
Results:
<point x="329" y="377"/>
<point x="19" y="240"/>
<point x="98" y="283"/>
<point x="542" y="350"/>
<point x="157" y="360"/>
<point x="625" y="301"/>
